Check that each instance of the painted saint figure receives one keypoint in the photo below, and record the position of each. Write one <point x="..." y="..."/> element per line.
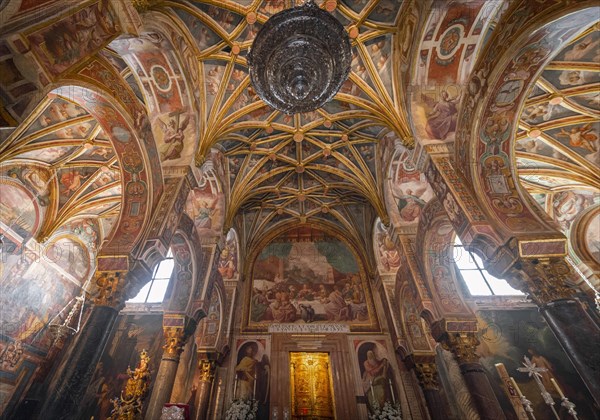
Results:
<point x="376" y="374"/>
<point x="252" y="376"/>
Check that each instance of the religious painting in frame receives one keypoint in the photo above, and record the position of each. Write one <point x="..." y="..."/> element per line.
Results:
<point x="252" y="369"/>
<point x="375" y="368"/>
<point x="307" y="276"/>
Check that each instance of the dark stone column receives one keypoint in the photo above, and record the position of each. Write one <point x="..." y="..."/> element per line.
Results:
<point x="579" y="336"/>
<point x="548" y="280"/>
<point x="427" y="375"/>
<point x="207" y="375"/>
<point x="64" y="401"/>
<point x="463" y="346"/>
<point x="176" y="334"/>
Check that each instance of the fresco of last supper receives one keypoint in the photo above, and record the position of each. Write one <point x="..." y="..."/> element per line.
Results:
<point x="306" y="276"/>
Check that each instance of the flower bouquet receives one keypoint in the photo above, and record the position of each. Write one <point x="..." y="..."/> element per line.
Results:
<point x="242" y="409"/>
<point x="387" y="412"/>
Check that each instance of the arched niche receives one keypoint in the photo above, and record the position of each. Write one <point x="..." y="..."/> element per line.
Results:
<point x="435" y="240"/>
<point x="585" y="234"/>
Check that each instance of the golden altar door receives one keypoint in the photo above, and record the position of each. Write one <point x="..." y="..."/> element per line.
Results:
<point x="311" y="386"/>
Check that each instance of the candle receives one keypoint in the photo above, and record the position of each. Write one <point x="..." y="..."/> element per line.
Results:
<point x="254" y="390"/>
<point x="514" y="384"/>
<point x="392" y="392"/>
<point x="372" y="392"/>
<point x="562" y="396"/>
<point x="235" y="385"/>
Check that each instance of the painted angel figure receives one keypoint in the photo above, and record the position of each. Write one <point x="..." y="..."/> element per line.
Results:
<point x="173" y="136"/>
<point x="441" y="121"/>
<point x="581" y="137"/>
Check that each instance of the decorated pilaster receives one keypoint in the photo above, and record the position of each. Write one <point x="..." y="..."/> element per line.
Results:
<point x="460" y="339"/>
<point x="176" y="330"/>
<point x="426" y="372"/>
<point x="74" y="379"/>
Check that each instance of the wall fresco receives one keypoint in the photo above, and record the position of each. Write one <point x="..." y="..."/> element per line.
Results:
<point x="507" y="336"/>
<point x="305" y="276"/>
<point x="64" y="43"/>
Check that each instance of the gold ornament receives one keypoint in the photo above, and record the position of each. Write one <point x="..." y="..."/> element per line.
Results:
<point x="109" y="288"/>
<point x="207" y="370"/>
<point x="546" y="280"/>
<point x="129" y="405"/>
<point x="463" y="346"/>
<point x="174" y="342"/>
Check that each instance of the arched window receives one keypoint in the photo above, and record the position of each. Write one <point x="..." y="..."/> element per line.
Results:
<point x="478" y="280"/>
<point x="154" y="291"/>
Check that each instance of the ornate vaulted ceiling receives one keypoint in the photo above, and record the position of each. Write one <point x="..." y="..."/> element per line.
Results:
<point x="318" y="167"/>
<point x="61" y="190"/>
<point x="557" y="144"/>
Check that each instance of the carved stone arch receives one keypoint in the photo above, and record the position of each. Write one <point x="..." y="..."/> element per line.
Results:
<point x="584" y="238"/>
<point x="412" y="323"/>
<point x="183" y="273"/>
<point x="435" y="241"/>
<point x="211" y="329"/>
<point x="121" y="118"/>
<point x="526" y="40"/>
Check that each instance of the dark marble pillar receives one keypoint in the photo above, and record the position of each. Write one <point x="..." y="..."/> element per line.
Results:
<point x="207" y="375"/>
<point x="175" y="338"/>
<point x="427" y="375"/>
<point x="579" y="336"/>
<point x="463" y="346"/>
<point x="64" y="401"/>
<point x="549" y="284"/>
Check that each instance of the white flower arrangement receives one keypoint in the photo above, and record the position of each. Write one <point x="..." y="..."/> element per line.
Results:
<point x="242" y="409"/>
<point x="388" y="412"/>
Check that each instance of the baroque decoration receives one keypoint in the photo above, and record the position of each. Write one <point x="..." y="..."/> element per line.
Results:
<point x="321" y="135"/>
<point x="129" y="405"/>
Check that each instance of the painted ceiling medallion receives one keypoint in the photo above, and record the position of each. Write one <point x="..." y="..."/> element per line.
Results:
<point x="299" y="59"/>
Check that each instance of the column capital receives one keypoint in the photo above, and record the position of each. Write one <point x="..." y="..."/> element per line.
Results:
<point x="175" y="339"/>
<point x="463" y="345"/>
<point x="207" y="370"/>
<point x="109" y="287"/>
<point x="427" y="375"/>
<point x="545" y="279"/>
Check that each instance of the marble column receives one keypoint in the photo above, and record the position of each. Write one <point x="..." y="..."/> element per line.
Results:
<point x="207" y="375"/>
<point x="547" y="282"/>
<point x="427" y="376"/>
<point x="64" y="400"/>
<point x="579" y="336"/>
<point x="463" y="346"/>
<point x="175" y="338"/>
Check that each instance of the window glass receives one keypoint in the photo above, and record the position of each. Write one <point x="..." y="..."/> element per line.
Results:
<point x="478" y="280"/>
<point x="154" y="291"/>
